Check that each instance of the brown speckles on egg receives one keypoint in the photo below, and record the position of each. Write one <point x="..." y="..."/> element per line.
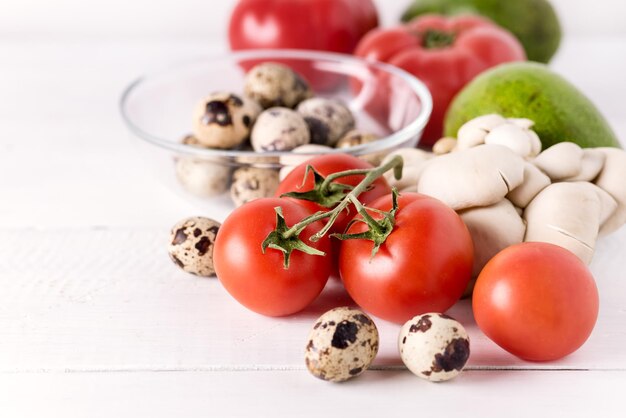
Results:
<point x="422" y="325"/>
<point x="345" y="334"/>
<point x="190" y="248"/>
<point x="328" y="119"/>
<point x="203" y="245"/>
<point x="279" y="129"/>
<point x="345" y="346"/>
<point x="434" y="346"/>
<point x="179" y="236"/>
<point x="273" y="84"/>
<point x="251" y="183"/>
<point x="453" y="357"/>
<point x="223" y="120"/>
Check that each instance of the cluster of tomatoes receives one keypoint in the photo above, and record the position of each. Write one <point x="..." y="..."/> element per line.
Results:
<point x="536" y="300"/>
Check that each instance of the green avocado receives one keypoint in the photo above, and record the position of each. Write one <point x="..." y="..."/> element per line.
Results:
<point x="533" y="22"/>
<point x="530" y="90"/>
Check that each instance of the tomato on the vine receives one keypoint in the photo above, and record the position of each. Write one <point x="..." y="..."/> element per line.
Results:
<point x="536" y="300"/>
<point x="423" y="265"/>
<point x="258" y="279"/>
<point x="326" y="165"/>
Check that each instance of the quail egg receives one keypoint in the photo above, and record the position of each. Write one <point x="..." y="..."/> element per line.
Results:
<point x="328" y="119"/>
<point x="224" y="120"/>
<point x="272" y="84"/>
<point x="202" y="178"/>
<point x="356" y="137"/>
<point x="250" y="183"/>
<point x="434" y="346"/>
<point x="279" y="129"/>
<point x="341" y="345"/>
<point x="191" y="245"/>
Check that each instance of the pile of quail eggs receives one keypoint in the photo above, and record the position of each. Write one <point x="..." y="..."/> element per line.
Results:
<point x="277" y="112"/>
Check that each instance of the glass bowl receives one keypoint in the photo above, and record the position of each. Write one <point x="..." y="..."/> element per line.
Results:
<point x="157" y="108"/>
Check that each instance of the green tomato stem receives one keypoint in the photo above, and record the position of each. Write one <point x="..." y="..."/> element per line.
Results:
<point x="371" y="175"/>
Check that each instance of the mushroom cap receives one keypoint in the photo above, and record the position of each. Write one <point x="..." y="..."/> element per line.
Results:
<point x="473" y="132"/>
<point x="493" y="228"/>
<point x="521" y="122"/>
<point x="612" y="180"/>
<point x="534" y="182"/>
<point x="414" y="162"/>
<point x="560" y="161"/>
<point x="569" y="215"/>
<point x="522" y="141"/>
<point x="590" y="165"/>
<point x="479" y="176"/>
<point x="444" y="145"/>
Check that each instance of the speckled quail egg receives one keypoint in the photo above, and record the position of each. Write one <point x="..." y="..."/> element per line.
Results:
<point x="224" y="120"/>
<point x="341" y="345"/>
<point x="191" y="245"/>
<point x="250" y="183"/>
<point x="357" y="137"/>
<point x="272" y="84"/>
<point x="279" y="129"/>
<point x="328" y="119"/>
<point x="434" y="346"/>
<point x="202" y="178"/>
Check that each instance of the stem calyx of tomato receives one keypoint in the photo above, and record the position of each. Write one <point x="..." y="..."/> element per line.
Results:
<point x="286" y="239"/>
<point x="287" y="245"/>
<point x="378" y="230"/>
<point x="324" y="192"/>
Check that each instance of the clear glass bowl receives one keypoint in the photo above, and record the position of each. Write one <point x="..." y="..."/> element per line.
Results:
<point x="157" y="108"/>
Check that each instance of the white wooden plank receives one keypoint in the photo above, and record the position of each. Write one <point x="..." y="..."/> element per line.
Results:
<point x="110" y="299"/>
<point x="297" y="394"/>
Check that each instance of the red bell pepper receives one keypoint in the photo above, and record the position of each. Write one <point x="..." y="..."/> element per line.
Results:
<point x="445" y="53"/>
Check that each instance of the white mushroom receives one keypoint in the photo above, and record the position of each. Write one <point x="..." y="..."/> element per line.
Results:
<point x="560" y="161"/>
<point x="496" y="130"/>
<point x="568" y="215"/>
<point x="473" y="132"/>
<point x="444" y="146"/>
<point x="522" y="141"/>
<point x="612" y="179"/>
<point x="414" y="162"/>
<point x="521" y="122"/>
<point x="591" y="164"/>
<point x="479" y="176"/>
<point x="534" y="182"/>
<point x="493" y="228"/>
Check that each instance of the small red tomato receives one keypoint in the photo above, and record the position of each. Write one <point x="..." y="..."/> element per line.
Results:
<point x="327" y="25"/>
<point x="536" y="300"/>
<point x="326" y="165"/>
<point x="258" y="280"/>
<point x="423" y="266"/>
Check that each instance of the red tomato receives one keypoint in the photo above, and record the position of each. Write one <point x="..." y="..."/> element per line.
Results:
<point x="329" y="164"/>
<point x="445" y="53"/>
<point x="327" y="25"/>
<point x="536" y="300"/>
<point x="257" y="280"/>
<point x="423" y="266"/>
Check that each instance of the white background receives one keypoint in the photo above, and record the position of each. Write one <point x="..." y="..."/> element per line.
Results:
<point x="205" y="19"/>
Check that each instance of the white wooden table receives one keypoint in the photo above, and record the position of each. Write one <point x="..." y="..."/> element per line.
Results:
<point x="95" y="321"/>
